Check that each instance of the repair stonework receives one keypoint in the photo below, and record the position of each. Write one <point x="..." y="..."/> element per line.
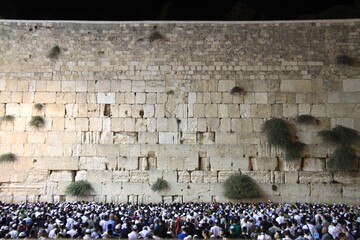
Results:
<point x="126" y="103"/>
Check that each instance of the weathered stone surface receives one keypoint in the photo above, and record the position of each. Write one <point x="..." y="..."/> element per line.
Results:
<point x="315" y="177"/>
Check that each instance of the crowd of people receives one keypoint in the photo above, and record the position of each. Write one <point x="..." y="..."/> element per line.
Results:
<point x="261" y="221"/>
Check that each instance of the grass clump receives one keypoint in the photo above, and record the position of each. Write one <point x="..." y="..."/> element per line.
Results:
<point x="155" y="35"/>
<point x="343" y="158"/>
<point x="54" y="52"/>
<point x="37" y="122"/>
<point x="38" y="106"/>
<point x="160" y="185"/>
<point x="238" y="186"/>
<point x="7" y="157"/>
<point x="79" y="188"/>
<point x="8" y="118"/>
<point x="346" y="60"/>
<point x="307" y="119"/>
<point x="280" y="133"/>
<point x="237" y="91"/>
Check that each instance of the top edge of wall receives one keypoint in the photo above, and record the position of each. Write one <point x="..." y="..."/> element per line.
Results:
<point x="353" y="20"/>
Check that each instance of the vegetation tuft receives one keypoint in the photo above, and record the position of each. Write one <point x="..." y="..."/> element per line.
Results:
<point x="155" y="35"/>
<point x="54" y="52"/>
<point x="7" y="157"/>
<point x="238" y="186"/>
<point x="160" y="185"/>
<point x="37" y="122"/>
<point x="279" y="133"/>
<point x="237" y="91"/>
<point x="339" y="135"/>
<point x="343" y="159"/>
<point x="346" y="60"/>
<point x="307" y="119"/>
<point x="79" y="188"/>
<point x="8" y="118"/>
<point x="38" y="106"/>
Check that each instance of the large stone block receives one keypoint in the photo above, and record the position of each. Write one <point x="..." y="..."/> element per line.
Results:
<point x="120" y="176"/>
<point x="313" y="164"/>
<point x="264" y="164"/>
<point x="326" y="190"/>
<point x="315" y="177"/>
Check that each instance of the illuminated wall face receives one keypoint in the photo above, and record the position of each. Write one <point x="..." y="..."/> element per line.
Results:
<point x="122" y="105"/>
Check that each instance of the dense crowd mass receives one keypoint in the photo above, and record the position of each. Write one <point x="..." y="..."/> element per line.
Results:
<point x="261" y="221"/>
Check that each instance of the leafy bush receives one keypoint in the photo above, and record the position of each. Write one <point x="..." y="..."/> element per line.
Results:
<point x="307" y="119"/>
<point x="280" y="133"/>
<point x="8" y="118"/>
<point x="7" y="157"/>
<point x="54" y="52"/>
<point x="237" y="90"/>
<point x="346" y="60"/>
<point x="343" y="159"/>
<point x="79" y="188"/>
<point x="155" y="35"/>
<point x="37" y="122"/>
<point x="339" y="135"/>
<point x="238" y="186"/>
<point x="38" y="106"/>
<point x="160" y="185"/>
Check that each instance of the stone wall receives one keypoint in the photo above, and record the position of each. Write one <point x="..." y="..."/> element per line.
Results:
<point x="126" y="103"/>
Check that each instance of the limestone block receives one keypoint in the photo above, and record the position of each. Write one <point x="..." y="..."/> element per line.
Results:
<point x="210" y="177"/>
<point x="223" y="175"/>
<point x="259" y="176"/>
<point x="154" y="86"/>
<point x="55" y="110"/>
<point x="80" y="175"/>
<point x="294" y="165"/>
<point x="23" y="188"/>
<point x="290" y="110"/>
<point x="19" y="198"/>
<point x="329" y="190"/>
<point x="36" y="137"/>
<point x="133" y="188"/>
<point x="95" y="124"/>
<point x="7" y="198"/>
<point x="287" y="86"/>
<point x="51" y="188"/>
<point x="45" y="97"/>
<point x="92" y="163"/>
<point x="61" y="176"/>
<point x="168" y="137"/>
<point x="199" y="110"/>
<point x="294" y="190"/>
<point x="206" y="137"/>
<point x="351" y="191"/>
<point x="171" y="176"/>
<point x="264" y="164"/>
<point x="351" y="85"/>
<point x="37" y="176"/>
<point x="120" y="176"/>
<point x="154" y="175"/>
<point x="125" y="137"/>
<point x="98" y="176"/>
<point x="188" y="138"/>
<point x="211" y="110"/>
<point x="292" y="177"/>
<point x="315" y="177"/>
<point x="12" y="109"/>
<point x="197" y="176"/>
<point x="147" y="138"/>
<point x="183" y="177"/>
<point x="56" y="163"/>
<point x="139" y="176"/>
<point x="347" y="177"/>
<point x="313" y="164"/>
<point x="107" y="150"/>
<point x="125" y="110"/>
<point x="278" y="177"/>
<point x="221" y="163"/>
<point x="105" y="97"/>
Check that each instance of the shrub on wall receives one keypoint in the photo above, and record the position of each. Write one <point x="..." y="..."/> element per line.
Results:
<point x="155" y="35"/>
<point x="8" y="118"/>
<point x="7" y="157"/>
<point x="160" y="185"/>
<point x="238" y="186"/>
<point x="307" y="119"/>
<point x="237" y="91"/>
<point x="346" y="60"/>
<point x="37" y="122"/>
<point x="54" y="52"/>
<point x="38" y="106"/>
<point x="79" y="188"/>
<point x="280" y="133"/>
<point x="343" y="158"/>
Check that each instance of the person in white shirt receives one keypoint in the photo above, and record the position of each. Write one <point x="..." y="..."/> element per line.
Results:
<point x="334" y="229"/>
<point x="134" y="233"/>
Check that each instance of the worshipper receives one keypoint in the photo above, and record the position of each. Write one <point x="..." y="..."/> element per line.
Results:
<point x="134" y="233"/>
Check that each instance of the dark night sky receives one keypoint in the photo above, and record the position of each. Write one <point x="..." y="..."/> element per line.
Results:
<point x="130" y="10"/>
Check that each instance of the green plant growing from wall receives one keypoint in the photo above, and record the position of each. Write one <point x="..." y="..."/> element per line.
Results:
<point x="307" y="119"/>
<point x="238" y="186"/>
<point x="160" y="185"/>
<point x="54" y="52"/>
<point x="237" y="91"/>
<point x="155" y="35"/>
<point x="8" y="118"/>
<point x="79" y="188"/>
<point x="170" y="92"/>
<point x="37" y="122"/>
<point x="346" y="60"/>
<point x="38" y="106"/>
<point x="343" y="158"/>
<point x="7" y="157"/>
<point x="280" y="133"/>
